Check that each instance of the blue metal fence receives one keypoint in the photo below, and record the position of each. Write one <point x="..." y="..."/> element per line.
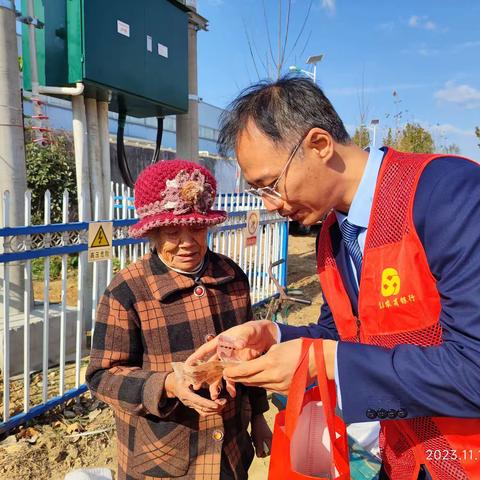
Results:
<point x="20" y="245"/>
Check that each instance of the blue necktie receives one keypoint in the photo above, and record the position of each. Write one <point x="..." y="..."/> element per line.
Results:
<point x="350" y="238"/>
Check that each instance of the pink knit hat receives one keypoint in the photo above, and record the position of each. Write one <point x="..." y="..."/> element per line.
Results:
<point x="174" y="192"/>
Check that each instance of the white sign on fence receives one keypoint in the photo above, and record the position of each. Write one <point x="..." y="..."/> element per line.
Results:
<point x="251" y="230"/>
<point x="99" y="241"/>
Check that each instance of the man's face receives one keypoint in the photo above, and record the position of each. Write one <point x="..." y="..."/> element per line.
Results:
<point x="304" y="185"/>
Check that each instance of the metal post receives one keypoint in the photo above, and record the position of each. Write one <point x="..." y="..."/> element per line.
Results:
<point x="6" y="319"/>
<point x="80" y="140"/>
<point x="63" y="316"/>
<point x="187" y="124"/>
<point x="94" y="158"/>
<point x="12" y="150"/>
<point x="104" y="139"/>
<point x="46" y="305"/>
<point x="27" y="269"/>
<point x="81" y="157"/>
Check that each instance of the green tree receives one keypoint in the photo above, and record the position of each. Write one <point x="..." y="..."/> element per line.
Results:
<point x="477" y="133"/>
<point x="361" y="137"/>
<point x="414" y="138"/>
<point x="391" y="138"/>
<point x="51" y="168"/>
<point x="452" y="149"/>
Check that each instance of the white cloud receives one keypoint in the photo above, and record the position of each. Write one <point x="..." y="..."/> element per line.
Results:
<point x="387" y="26"/>
<point x="416" y="21"/>
<point x="427" y="52"/>
<point x="329" y="5"/>
<point x="413" y="22"/>
<point x="449" y="129"/>
<point x="464" y="96"/>
<point x="465" y="46"/>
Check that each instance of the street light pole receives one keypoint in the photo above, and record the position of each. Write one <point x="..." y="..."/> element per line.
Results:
<point x="313" y="60"/>
<point x="374" y="124"/>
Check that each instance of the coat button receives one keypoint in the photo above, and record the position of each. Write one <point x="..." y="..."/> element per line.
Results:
<point x="199" y="291"/>
<point x="382" y="413"/>
<point x="209" y="336"/>
<point x="217" y="435"/>
<point x="371" y="413"/>
<point x="392" y="413"/>
<point x="402" y="413"/>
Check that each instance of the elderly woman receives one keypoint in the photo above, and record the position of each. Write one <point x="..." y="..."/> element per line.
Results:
<point x="157" y="311"/>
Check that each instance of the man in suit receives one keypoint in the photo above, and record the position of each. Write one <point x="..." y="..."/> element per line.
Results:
<point x="403" y="232"/>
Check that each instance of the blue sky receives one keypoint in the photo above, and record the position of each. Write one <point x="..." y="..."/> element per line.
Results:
<point x="427" y="51"/>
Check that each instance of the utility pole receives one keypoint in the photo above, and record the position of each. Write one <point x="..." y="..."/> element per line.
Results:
<point x="187" y="124"/>
<point x="12" y="149"/>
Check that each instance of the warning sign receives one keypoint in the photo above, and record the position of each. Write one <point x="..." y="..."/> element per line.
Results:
<point x="251" y="230"/>
<point x="99" y="241"/>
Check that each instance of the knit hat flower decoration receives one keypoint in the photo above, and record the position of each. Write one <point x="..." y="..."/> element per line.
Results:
<point x="175" y="192"/>
<point x="188" y="191"/>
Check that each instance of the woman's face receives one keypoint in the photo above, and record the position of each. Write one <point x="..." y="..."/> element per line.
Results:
<point x="181" y="247"/>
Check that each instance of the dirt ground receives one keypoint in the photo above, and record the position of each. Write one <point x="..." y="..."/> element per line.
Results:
<point x="82" y="434"/>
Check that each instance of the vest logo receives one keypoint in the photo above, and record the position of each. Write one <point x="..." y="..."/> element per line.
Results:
<point x="390" y="282"/>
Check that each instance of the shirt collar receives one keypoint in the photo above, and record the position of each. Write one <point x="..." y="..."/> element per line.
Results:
<point x="359" y="213"/>
<point x="163" y="282"/>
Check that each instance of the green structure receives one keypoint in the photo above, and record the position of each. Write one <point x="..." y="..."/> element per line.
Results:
<point x="133" y="52"/>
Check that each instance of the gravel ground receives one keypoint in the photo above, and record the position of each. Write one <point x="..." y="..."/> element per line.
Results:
<point x="82" y="434"/>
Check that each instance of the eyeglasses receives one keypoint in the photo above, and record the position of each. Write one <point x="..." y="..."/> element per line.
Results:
<point x="271" y="191"/>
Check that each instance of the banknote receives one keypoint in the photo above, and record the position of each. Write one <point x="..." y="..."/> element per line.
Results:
<point x="208" y="372"/>
<point x="202" y="373"/>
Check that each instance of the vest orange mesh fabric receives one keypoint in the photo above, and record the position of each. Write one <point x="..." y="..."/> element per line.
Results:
<point x="391" y="208"/>
<point x="388" y="225"/>
<point x="433" y="441"/>
<point x="426" y="337"/>
<point x="325" y="256"/>
<point x="398" y="455"/>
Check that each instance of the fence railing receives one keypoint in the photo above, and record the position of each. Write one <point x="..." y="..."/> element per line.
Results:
<point x="50" y="292"/>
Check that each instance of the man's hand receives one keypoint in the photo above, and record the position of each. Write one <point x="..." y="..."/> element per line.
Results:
<point x="261" y="436"/>
<point x="275" y="369"/>
<point x="181" y="390"/>
<point x="242" y="342"/>
<point x="246" y="341"/>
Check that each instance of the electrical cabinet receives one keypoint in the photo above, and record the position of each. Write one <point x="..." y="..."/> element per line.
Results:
<point x="134" y="53"/>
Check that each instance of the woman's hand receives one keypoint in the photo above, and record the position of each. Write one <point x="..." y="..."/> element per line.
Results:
<point x="175" y="388"/>
<point x="261" y="436"/>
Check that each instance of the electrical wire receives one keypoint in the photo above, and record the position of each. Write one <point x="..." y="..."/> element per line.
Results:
<point x="121" y="155"/>
<point x="158" y="144"/>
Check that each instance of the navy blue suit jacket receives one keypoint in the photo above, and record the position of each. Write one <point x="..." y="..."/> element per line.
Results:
<point x="432" y="381"/>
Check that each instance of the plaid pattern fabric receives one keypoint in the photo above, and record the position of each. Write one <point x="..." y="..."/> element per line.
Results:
<point x="147" y="318"/>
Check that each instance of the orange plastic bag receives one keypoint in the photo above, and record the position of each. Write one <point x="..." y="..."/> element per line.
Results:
<point x="309" y="440"/>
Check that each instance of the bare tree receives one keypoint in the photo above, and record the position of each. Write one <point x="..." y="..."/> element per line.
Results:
<point x="270" y="61"/>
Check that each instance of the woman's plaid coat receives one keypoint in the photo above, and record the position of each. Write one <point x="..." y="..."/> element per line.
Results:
<point x="148" y="317"/>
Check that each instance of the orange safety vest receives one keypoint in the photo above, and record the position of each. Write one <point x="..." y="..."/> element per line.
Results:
<point x="399" y="304"/>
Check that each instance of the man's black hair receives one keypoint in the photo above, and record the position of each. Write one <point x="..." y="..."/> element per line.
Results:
<point x="284" y="110"/>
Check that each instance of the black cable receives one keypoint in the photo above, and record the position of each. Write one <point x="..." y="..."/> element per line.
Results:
<point x="158" y="145"/>
<point x="121" y="157"/>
